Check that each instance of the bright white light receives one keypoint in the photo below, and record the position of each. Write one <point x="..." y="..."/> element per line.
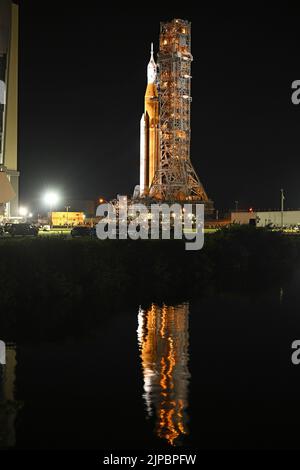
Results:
<point x="23" y="211"/>
<point x="30" y="215"/>
<point x="51" y="199"/>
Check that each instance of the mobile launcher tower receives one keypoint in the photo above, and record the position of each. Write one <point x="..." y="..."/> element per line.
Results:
<point x="166" y="171"/>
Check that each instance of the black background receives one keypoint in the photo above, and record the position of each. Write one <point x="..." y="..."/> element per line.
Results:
<point x="82" y="82"/>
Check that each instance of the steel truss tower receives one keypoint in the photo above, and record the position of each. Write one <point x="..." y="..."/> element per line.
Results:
<point x="175" y="178"/>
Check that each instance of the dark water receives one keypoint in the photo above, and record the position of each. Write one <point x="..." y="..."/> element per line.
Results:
<point x="212" y="373"/>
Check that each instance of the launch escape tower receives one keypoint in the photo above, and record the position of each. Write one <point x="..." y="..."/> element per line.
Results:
<point x="174" y="178"/>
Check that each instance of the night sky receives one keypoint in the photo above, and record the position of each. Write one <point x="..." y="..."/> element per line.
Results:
<point x="82" y="83"/>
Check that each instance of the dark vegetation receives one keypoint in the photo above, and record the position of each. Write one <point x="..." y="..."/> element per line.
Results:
<point x="55" y="284"/>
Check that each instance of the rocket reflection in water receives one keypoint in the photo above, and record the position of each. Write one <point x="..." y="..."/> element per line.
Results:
<point x="164" y="341"/>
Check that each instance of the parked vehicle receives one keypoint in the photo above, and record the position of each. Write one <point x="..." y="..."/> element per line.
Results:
<point x="45" y="228"/>
<point x="23" y="230"/>
<point x="7" y="227"/>
<point x="81" y="231"/>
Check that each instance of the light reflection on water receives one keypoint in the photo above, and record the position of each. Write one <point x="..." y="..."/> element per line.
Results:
<point x="8" y="405"/>
<point x="163" y="336"/>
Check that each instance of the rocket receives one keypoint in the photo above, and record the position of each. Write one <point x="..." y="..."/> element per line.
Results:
<point x="149" y="140"/>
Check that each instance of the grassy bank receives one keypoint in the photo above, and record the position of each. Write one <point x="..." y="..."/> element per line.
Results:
<point x="51" y="282"/>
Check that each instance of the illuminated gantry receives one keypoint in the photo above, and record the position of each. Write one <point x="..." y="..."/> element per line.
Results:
<point x="176" y="178"/>
<point x="164" y="341"/>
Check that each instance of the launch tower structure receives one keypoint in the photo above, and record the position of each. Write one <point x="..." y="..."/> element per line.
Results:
<point x="175" y="178"/>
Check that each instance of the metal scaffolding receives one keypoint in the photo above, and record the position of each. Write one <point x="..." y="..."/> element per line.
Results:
<point x="175" y="178"/>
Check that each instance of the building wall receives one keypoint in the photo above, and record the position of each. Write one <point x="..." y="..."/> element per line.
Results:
<point x="11" y="112"/>
<point x="264" y="218"/>
<point x="274" y="217"/>
<point x="242" y="217"/>
<point x="67" y="218"/>
<point x="5" y="21"/>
